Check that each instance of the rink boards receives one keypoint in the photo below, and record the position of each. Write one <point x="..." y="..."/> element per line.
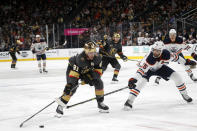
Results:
<point x="132" y="52"/>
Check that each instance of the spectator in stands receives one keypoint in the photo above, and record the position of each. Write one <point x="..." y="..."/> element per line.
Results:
<point x="193" y="33"/>
<point x="185" y="34"/>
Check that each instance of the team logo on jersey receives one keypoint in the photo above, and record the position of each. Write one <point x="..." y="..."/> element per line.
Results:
<point x="113" y="51"/>
<point x="24" y="54"/>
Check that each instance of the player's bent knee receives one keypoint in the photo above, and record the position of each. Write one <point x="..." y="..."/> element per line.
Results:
<point x="118" y="66"/>
<point x="98" y="83"/>
<point x="176" y="78"/>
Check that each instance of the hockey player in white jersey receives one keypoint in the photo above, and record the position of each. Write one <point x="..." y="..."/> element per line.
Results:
<point x="175" y="44"/>
<point x="152" y="65"/>
<point x="38" y="47"/>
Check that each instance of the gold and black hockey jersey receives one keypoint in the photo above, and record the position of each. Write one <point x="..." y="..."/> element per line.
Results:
<point x="81" y="65"/>
<point x="13" y="49"/>
<point x="110" y="48"/>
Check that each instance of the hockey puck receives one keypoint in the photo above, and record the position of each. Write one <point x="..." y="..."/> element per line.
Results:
<point x="41" y="126"/>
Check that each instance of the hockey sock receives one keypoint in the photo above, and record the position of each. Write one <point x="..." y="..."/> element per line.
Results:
<point x="39" y="65"/>
<point x="65" y="98"/>
<point x="13" y="64"/>
<point x="134" y="92"/>
<point x="182" y="88"/>
<point x="116" y="72"/>
<point x="99" y="95"/>
<point x="189" y="71"/>
<point x="44" y="64"/>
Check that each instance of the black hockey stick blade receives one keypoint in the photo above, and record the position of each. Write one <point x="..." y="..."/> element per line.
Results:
<point x="21" y="125"/>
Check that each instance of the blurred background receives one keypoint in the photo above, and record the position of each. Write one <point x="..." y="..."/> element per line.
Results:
<point x="69" y="23"/>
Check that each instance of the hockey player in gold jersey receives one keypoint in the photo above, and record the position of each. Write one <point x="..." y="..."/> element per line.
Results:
<point x="86" y="66"/>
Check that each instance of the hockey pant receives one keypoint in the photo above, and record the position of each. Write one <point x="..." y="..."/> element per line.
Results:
<point x="72" y="83"/>
<point x="14" y="60"/>
<point x="143" y="80"/>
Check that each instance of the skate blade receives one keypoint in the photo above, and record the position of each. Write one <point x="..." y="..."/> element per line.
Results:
<point x="155" y="84"/>
<point x="194" y="80"/>
<point x="114" y="82"/>
<point x="103" y="111"/>
<point x="14" y="69"/>
<point x="57" y="115"/>
<point x="126" y="108"/>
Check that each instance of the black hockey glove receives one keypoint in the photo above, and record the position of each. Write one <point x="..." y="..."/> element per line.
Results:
<point x="46" y="48"/>
<point x="131" y="83"/>
<point x="194" y="56"/>
<point x="124" y="58"/>
<point x="191" y="63"/>
<point x="33" y="51"/>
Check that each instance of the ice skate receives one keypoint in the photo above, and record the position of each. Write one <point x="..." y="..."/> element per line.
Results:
<point x="15" y="68"/>
<point x="127" y="105"/>
<point x="45" y="71"/>
<point x="186" y="98"/>
<point x="40" y="70"/>
<point x="59" y="111"/>
<point x="157" y="80"/>
<point x="60" y="107"/>
<point x="114" y="80"/>
<point x="103" y="108"/>
<point x="192" y="77"/>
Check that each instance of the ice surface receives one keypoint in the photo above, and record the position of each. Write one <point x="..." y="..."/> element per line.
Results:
<point x="25" y="91"/>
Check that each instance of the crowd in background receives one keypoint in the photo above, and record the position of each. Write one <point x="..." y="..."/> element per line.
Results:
<point x="136" y="21"/>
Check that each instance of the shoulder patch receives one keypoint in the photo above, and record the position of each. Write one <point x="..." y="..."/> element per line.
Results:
<point x="150" y="59"/>
<point x="165" y="55"/>
<point x="179" y="40"/>
<point x="167" y="40"/>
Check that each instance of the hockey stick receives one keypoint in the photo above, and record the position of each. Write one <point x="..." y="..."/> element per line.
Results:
<point x="120" y="58"/>
<point x="82" y="102"/>
<point x="21" y="125"/>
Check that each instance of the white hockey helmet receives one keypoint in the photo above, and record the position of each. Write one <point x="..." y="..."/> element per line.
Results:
<point x="37" y="36"/>
<point x="158" y="45"/>
<point x="172" y="31"/>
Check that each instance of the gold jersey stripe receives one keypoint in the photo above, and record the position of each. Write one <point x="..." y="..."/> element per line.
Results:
<point x="116" y="72"/>
<point x="99" y="92"/>
<point x="98" y="71"/>
<point x="74" y="74"/>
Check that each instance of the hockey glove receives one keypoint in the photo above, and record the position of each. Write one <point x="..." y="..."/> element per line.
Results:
<point x="33" y="51"/>
<point x="83" y="82"/>
<point x="191" y="63"/>
<point x="131" y="83"/>
<point x="47" y="48"/>
<point x="194" y="56"/>
<point x="124" y="58"/>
